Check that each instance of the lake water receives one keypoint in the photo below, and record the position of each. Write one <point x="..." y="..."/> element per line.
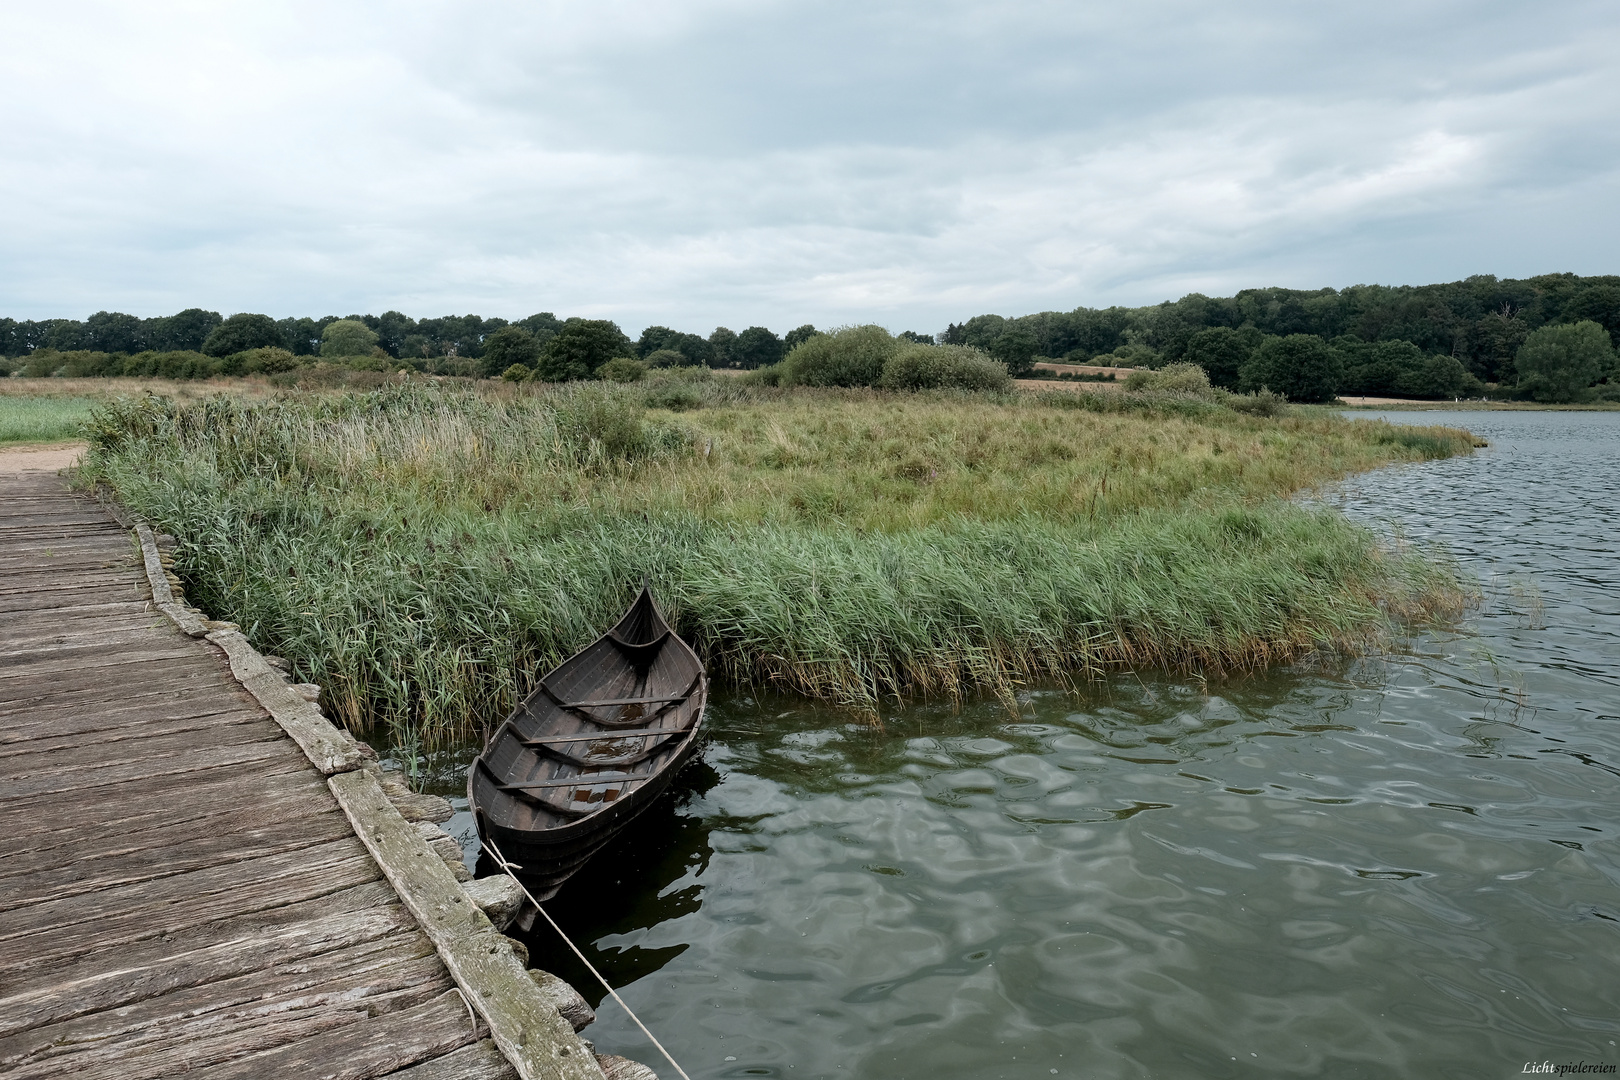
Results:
<point x="1401" y="867"/>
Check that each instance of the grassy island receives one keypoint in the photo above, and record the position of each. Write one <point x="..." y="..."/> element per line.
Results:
<point x="421" y="550"/>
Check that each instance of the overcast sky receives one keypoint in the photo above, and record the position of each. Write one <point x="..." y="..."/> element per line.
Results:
<point x="775" y="163"/>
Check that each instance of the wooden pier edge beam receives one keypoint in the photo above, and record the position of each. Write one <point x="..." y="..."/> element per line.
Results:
<point x="525" y="1025"/>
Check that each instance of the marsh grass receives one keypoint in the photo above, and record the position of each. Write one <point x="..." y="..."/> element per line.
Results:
<point x="423" y="553"/>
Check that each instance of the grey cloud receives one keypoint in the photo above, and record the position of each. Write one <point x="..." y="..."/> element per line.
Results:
<point x="780" y="163"/>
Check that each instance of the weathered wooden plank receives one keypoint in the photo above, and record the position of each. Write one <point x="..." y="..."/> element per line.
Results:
<point x="177" y="764"/>
<point x="77" y="702"/>
<point x="337" y="951"/>
<point x="217" y="948"/>
<point x="17" y="692"/>
<point x="65" y="626"/>
<point x="266" y="832"/>
<point x="84" y="658"/>
<point x="69" y="599"/>
<point x="325" y="747"/>
<point x="26" y="553"/>
<point x="96" y="755"/>
<point x="44" y="932"/>
<point x="131" y="722"/>
<point x="79" y="832"/>
<point x="480" y="1061"/>
<point x="60" y="555"/>
<point x="64" y="520"/>
<point x="528" y="1029"/>
<point x="265" y="949"/>
<point x="83" y="649"/>
<point x="141" y="798"/>
<point x="228" y="1020"/>
<point x="385" y="1045"/>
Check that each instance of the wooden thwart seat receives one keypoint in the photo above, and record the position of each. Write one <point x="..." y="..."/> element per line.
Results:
<point x="577" y="781"/>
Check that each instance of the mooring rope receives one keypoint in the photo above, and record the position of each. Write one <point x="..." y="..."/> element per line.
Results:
<point x="500" y="860"/>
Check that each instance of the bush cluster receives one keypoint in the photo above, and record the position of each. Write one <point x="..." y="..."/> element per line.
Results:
<point x="939" y="367"/>
<point x="856" y="356"/>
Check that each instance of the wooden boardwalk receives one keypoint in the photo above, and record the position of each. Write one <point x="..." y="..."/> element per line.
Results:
<point x="179" y="890"/>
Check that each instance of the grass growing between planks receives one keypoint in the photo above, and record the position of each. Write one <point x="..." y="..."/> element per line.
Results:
<point x="422" y="552"/>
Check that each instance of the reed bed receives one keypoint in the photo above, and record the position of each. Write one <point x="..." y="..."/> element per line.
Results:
<point x="424" y="552"/>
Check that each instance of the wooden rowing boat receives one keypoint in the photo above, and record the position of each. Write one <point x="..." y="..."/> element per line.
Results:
<point x="595" y="744"/>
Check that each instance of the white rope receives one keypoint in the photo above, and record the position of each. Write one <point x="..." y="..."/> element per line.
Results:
<point x="500" y="860"/>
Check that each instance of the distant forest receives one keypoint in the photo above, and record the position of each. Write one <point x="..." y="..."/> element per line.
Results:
<point x="1463" y="338"/>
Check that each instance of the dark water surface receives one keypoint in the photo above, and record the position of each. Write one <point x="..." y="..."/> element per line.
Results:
<point x="1403" y="867"/>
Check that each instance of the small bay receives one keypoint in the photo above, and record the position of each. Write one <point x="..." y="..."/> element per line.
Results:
<point x="1401" y="866"/>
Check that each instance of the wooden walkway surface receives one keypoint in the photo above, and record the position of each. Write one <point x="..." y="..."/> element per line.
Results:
<point x="179" y="891"/>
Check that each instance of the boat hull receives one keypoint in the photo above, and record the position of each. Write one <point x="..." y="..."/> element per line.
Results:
<point x="596" y="743"/>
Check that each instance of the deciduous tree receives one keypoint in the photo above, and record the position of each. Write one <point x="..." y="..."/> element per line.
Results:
<point x="241" y="332"/>
<point x="1558" y="363"/>
<point x="1302" y="367"/>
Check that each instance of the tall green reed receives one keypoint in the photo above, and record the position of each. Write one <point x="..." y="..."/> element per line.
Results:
<point x="424" y="554"/>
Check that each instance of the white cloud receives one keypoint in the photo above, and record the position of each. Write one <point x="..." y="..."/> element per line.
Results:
<point x="777" y="163"/>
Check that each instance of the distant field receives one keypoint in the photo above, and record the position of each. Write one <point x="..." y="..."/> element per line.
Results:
<point x="53" y="410"/>
<point x="41" y="419"/>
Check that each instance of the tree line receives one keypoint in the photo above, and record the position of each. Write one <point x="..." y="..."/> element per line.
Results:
<point x="1463" y="338"/>
<point x="452" y="344"/>
<point x="1550" y="337"/>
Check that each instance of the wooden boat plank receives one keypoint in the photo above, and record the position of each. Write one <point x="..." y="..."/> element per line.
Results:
<point x="604" y="736"/>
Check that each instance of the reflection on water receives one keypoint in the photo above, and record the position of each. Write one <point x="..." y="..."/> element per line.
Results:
<point x="1398" y="867"/>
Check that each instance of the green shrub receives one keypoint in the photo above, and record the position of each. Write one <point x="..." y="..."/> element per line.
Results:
<point x="347" y="337"/>
<point x="266" y="361"/>
<point x="661" y="358"/>
<point x="622" y="369"/>
<point x="847" y="356"/>
<point x="518" y="373"/>
<point x="1260" y="403"/>
<point x="1171" y="379"/>
<point x="932" y="367"/>
<point x="602" y="425"/>
<point x="1131" y="356"/>
<point x="678" y="388"/>
<point x="769" y="375"/>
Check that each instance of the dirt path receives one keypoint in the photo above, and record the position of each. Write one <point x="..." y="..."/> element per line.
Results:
<point x="38" y="457"/>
